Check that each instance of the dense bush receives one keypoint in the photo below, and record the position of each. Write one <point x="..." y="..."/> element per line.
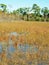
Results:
<point x="42" y="19"/>
<point x="37" y="19"/>
<point x="47" y="19"/>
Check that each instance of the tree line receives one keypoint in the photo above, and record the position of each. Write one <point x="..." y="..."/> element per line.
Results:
<point x="34" y="13"/>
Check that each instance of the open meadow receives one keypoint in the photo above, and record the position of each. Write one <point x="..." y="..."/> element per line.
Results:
<point x="24" y="43"/>
<point x="24" y="32"/>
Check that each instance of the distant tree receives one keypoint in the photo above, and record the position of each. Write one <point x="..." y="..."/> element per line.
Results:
<point x="19" y="11"/>
<point x="48" y="15"/>
<point x="26" y="12"/>
<point x="23" y="12"/>
<point x="14" y="12"/>
<point x="45" y="11"/>
<point x="3" y="6"/>
<point x="36" y="9"/>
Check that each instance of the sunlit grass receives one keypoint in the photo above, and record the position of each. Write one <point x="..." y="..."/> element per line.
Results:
<point x="32" y="33"/>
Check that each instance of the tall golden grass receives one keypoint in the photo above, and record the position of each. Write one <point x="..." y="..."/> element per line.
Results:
<point x="37" y="34"/>
<point x="36" y="31"/>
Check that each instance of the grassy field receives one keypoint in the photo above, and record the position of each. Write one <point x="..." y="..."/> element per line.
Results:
<point x="35" y="34"/>
<point x="22" y="26"/>
<point x="36" y="31"/>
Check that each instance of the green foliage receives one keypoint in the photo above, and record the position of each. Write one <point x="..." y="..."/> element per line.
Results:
<point x="36" y="9"/>
<point x="45" y="11"/>
<point x="42" y="19"/>
<point x="25" y="13"/>
<point x="3" y="6"/>
<point x="14" y="12"/>
<point x="47" y="19"/>
<point x="38" y="19"/>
